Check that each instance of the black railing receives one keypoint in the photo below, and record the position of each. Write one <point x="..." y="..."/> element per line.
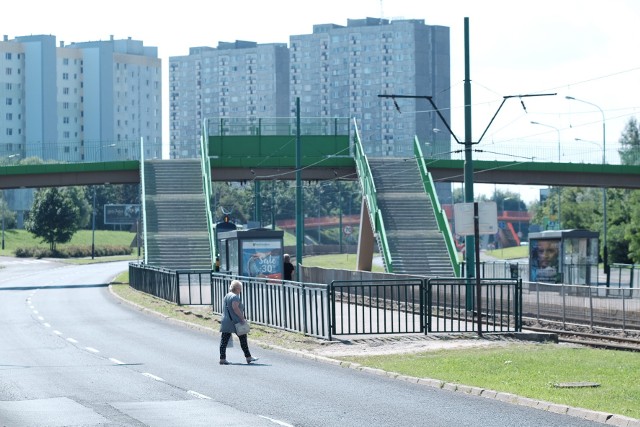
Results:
<point x="377" y="306"/>
<point x="350" y="307"/>
<point x="293" y="306"/>
<point x="156" y="281"/>
<point x="450" y="309"/>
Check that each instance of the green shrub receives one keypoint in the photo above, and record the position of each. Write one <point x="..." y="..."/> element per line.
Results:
<point x="72" y="251"/>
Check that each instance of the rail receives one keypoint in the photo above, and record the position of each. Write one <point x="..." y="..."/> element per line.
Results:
<point x="292" y="306"/>
<point x="369" y="192"/>
<point x="143" y="197"/>
<point x="377" y="306"/>
<point x="205" y="163"/>
<point x="441" y="217"/>
<point x="156" y="281"/>
<point x="501" y="305"/>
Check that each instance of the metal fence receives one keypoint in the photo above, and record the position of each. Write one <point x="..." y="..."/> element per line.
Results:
<point x="452" y="305"/>
<point x="293" y="306"/>
<point x="611" y="307"/>
<point x="156" y="281"/>
<point x="344" y="307"/>
<point x="377" y="306"/>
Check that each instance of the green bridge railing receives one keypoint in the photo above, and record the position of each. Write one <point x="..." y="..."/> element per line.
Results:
<point x="441" y="216"/>
<point x="369" y="192"/>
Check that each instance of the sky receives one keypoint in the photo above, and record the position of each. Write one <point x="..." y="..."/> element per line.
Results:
<point x="586" y="49"/>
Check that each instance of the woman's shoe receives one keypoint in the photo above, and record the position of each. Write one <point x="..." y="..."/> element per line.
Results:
<point x="225" y="362"/>
<point x="251" y="359"/>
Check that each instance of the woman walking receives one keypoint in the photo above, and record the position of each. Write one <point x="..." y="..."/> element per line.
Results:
<point x="232" y="313"/>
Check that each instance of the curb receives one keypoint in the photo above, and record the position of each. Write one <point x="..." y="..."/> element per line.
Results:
<point x="587" y="414"/>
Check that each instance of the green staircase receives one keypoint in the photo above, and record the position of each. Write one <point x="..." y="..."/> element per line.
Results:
<point x="176" y="221"/>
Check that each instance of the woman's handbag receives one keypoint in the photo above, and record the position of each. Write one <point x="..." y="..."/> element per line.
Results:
<point x="242" y="328"/>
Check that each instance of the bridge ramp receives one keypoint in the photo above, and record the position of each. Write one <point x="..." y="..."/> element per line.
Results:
<point x="417" y="246"/>
<point x="177" y="236"/>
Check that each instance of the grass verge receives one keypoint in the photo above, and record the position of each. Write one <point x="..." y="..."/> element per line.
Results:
<point x="531" y="370"/>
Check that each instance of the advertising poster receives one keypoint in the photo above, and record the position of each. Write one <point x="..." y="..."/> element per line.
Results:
<point x="262" y="258"/>
<point x="544" y="260"/>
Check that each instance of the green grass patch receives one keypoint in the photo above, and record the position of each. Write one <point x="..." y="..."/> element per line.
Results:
<point x="15" y="239"/>
<point x="510" y="253"/>
<point x="337" y="261"/>
<point x="531" y="370"/>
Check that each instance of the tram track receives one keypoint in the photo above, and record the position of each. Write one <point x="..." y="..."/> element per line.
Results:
<point x="606" y="339"/>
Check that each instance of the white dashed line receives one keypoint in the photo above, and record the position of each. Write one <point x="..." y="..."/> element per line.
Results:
<point x="35" y="311"/>
<point x="57" y="332"/>
<point x="47" y="325"/>
<point x="280" y="423"/>
<point x="116" y="361"/>
<point x="72" y="341"/>
<point x="92" y="350"/>
<point x="40" y="318"/>
<point x="153" y="377"/>
<point x="198" y="395"/>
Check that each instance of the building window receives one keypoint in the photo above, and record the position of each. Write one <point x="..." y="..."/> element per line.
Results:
<point x="65" y="76"/>
<point x="65" y="134"/>
<point x="9" y="131"/>
<point x="65" y="61"/>
<point x="7" y="55"/>
<point x="65" y="91"/>
<point x="9" y="86"/>
<point x="9" y="101"/>
<point x="9" y="116"/>
<point x="65" y="105"/>
<point x="8" y="71"/>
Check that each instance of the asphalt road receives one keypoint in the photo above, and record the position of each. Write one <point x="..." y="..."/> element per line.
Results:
<point x="73" y="355"/>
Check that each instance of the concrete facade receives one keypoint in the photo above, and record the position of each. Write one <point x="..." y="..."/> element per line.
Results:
<point x="235" y="80"/>
<point x="83" y="101"/>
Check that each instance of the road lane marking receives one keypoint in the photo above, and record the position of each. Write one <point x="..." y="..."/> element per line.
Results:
<point x="198" y="395"/>
<point x="35" y="312"/>
<point x="40" y="318"/>
<point x="92" y="350"/>
<point x="116" y="361"/>
<point x="280" y="423"/>
<point x="72" y="341"/>
<point x="57" y="332"/>
<point x="153" y="377"/>
<point x="47" y="325"/>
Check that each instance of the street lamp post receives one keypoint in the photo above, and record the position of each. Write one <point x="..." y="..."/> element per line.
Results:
<point x="559" y="190"/>
<point x="605" y="251"/>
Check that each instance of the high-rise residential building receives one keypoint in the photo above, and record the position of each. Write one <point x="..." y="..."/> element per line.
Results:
<point x="339" y="71"/>
<point x="240" y="79"/>
<point x="86" y="101"/>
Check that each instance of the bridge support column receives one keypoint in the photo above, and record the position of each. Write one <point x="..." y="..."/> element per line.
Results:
<point x="366" y="239"/>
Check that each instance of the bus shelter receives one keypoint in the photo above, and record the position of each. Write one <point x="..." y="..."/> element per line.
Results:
<point x="563" y="256"/>
<point x="252" y="253"/>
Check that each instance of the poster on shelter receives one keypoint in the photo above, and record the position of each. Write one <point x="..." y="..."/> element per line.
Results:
<point x="544" y="260"/>
<point x="262" y="258"/>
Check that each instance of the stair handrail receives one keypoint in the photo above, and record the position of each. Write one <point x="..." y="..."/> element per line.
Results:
<point x="205" y="163"/>
<point x="143" y="202"/>
<point x="440" y="215"/>
<point x="369" y="192"/>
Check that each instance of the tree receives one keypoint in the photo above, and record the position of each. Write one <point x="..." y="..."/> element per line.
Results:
<point x="53" y="217"/>
<point x="630" y="143"/>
